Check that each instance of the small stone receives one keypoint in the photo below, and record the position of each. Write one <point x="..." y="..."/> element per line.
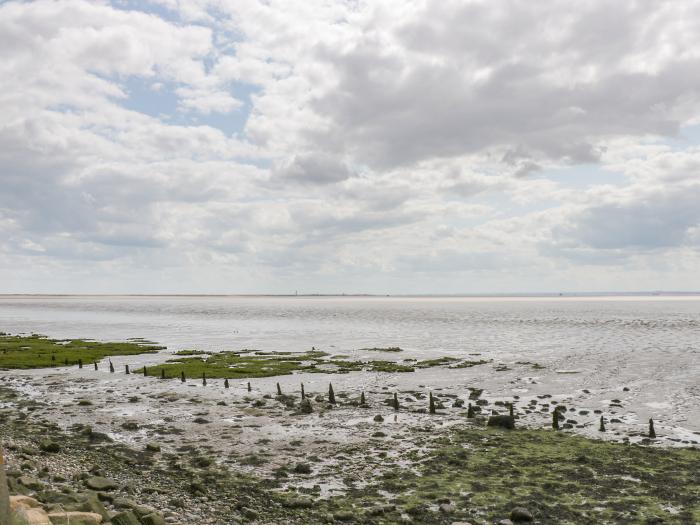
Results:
<point x="153" y="447"/>
<point x="302" y="468"/>
<point x="50" y="446"/>
<point x="521" y="515"/>
<point x="447" y="508"/>
<point x="378" y="418"/>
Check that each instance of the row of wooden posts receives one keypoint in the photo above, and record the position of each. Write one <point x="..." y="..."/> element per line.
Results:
<point x="395" y="402"/>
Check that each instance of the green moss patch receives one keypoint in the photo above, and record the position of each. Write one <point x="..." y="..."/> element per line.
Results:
<point x="36" y="351"/>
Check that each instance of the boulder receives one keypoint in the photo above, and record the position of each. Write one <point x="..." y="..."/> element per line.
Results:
<point x="125" y="518"/>
<point x="34" y="516"/>
<point x="23" y="502"/>
<point x="153" y="519"/>
<point x="75" y="518"/>
<point x="100" y="484"/>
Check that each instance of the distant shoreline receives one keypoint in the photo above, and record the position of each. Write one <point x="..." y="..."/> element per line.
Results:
<point x="534" y="295"/>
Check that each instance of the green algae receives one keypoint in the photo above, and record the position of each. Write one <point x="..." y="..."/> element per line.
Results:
<point x="36" y="351"/>
<point x="560" y="478"/>
<point x="387" y="349"/>
<point x="250" y="364"/>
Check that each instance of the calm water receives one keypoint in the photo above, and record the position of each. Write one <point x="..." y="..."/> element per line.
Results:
<point x="590" y="348"/>
<point x="494" y="326"/>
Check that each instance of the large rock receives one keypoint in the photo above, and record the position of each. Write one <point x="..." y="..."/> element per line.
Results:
<point x="30" y="482"/>
<point x="125" y="518"/>
<point x="100" y="484"/>
<point x="35" y="516"/>
<point x="23" y="502"/>
<point x="153" y="519"/>
<point x="501" y="422"/>
<point x="75" y="518"/>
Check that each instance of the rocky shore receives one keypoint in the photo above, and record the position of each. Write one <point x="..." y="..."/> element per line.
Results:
<point x="278" y="459"/>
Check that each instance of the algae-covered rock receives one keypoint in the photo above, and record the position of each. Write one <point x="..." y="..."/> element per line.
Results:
<point x="101" y="484"/>
<point x="507" y="422"/>
<point x="50" y="446"/>
<point x="521" y="515"/>
<point x="125" y="518"/>
<point x="153" y="519"/>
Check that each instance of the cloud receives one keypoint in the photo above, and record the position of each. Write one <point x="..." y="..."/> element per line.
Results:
<point x="404" y="144"/>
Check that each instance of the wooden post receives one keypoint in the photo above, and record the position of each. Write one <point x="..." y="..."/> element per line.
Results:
<point x="145" y="371"/>
<point x="249" y="388"/>
<point x="182" y="375"/>
<point x="601" y="428"/>
<point x="111" y="367"/>
<point x="80" y="363"/>
<point x="470" y="411"/>
<point x="431" y="404"/>
<point x="279" y="389"/>
<point x="226" y="383"/>
<point x="204" y="379"/>
<point x="4" y="493"/>
<point x="396" y="401"/>
<point x="95" y="365"/>
<point x="362" y="398"/>
<point x="303" y="396"/>
<point x="511" y="410"/>
<point x="652" y="432"/>
<point x="126" y="369"/>
<point x="555" y="420"/>
<point x="331" y="394"/>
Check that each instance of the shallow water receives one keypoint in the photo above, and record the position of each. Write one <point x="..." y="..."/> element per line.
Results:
<point x="649" y="345"/>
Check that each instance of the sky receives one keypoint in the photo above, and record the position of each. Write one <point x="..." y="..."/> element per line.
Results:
<point x="393" y="146"/>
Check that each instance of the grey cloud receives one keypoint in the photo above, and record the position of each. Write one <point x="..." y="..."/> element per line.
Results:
<point x="314" y="168"/>
<point x="552" y="94"/>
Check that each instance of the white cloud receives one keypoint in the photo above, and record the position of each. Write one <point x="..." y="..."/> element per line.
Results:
<point x="389" y="146"/>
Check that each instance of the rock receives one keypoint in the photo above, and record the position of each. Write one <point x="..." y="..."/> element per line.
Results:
<point x="302" y="468"/>
<point x="23" y="502"/>
<point x="504" y="522"/>
<point x="50" y="446"/>
<point x="521" y="515"/>
<point x="101" y="484"/>
<point x="130" y="425"/>
<point x="343" y="515"/>
<point x="378" y="418"/>
<point x="153" y="519"/>
<point x="501" y="422"/>
<point x="34" y="516"/>
<point x="296" y="503"/>
<point x="447" y="508"/>
<point x="249" y="514"/>
<point x="305" y="407"/>
<point x="75" y="518"/>
<point x="92" y="504"/>
<point x="30" y="482"/>
<point x="153" y="447"/>
<point x="125" y="518"/>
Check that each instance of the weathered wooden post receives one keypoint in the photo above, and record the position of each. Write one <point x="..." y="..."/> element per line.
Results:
<point x="111" y="367"/>
<point x="279" y="389"/>
<point x="249" y="388"/>
<point x="204" y="379"/>
<point x="601" y="428"/>
<point x="4" y="493"/>
<point x="162" y="373"/>
<point x="95" y="365"/>
<point x="126" y="369"/>
<point x="331" y="394"/>
<point x="226" y="383"/>
<point x="362" y="398"/>
<point x="80" y="363"/>
<point x="182" y="375"/>
<point x="511" y="410"/>
<point x="145" y="371"/>
<point x="470" y="411"/>
<point x="396" y="401"/>
<point x="431" y="405"/>
<point x="555" y="420"/>
<point x="652" y="432"/>
<point x="303" y="395"/>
